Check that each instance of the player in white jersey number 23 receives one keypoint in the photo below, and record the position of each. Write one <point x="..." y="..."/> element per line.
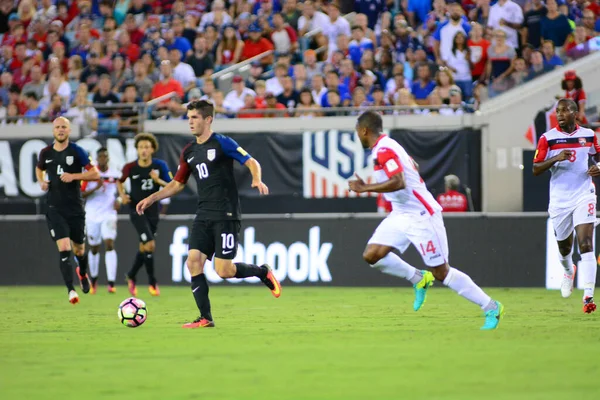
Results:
<point x="565" y="151"/>
<point x="415" y="218"/>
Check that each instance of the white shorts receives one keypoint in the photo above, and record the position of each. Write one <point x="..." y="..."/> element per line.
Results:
<point x="564" y="221"/>
<point x="97" y="231"/>
<point x="427" y="233"/>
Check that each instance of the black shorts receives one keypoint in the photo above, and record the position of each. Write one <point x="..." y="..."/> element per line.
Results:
<point x="64" y="225"/>
<point x="145" y="225"/>
<point x="218" y="238"/>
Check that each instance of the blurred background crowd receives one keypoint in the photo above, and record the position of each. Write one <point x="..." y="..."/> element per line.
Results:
<point x="96" y="61"/>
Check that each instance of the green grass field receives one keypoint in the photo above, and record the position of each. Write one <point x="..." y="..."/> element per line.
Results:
<point x="313" y="343"/>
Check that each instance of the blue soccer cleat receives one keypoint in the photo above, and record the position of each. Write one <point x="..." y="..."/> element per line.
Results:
<point x="421" y="289"/>
<point x="492" y="317"/>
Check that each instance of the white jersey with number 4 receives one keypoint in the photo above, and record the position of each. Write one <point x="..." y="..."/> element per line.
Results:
<point x="570" y="184"/>
<point x="100" y="205"/>
<point x="390" y="158"/>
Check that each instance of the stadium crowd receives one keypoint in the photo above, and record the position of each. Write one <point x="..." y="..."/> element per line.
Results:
<point x="68" y="57"/>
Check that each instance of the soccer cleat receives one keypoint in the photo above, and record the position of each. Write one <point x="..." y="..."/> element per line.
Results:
<point x="84" y="281"/>
<point x="112" y="289"/>
<point x="271" y="282"/>
<point x="492" y="317"/>
<point x="199" y="323"/>
<point x="94" y="286"/>
<point x="73" y="297"/>
<point x="131" y="286"/>
<point x="566" y="287"/>
<point x="588" y="305"/>
<point x="154" y="290"/>
<point x="421" y="289"/>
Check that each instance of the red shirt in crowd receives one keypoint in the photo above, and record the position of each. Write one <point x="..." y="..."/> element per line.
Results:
<point x="453" y="201"/>
<point x="479" y="56"/>
<point x="160" y="88"/>
<point x="252" y="49"/>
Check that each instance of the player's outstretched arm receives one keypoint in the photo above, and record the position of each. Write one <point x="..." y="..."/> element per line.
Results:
<point x="171" y="189"/>
<point x="396" y="182"/>
<point x="256" y="171"/>
<point x="543" y="166"/>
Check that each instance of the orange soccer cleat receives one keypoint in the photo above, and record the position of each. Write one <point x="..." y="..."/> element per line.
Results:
<point x="84" y="281"/>
<point x="271" y="282"/>
<point x="588" y="305"/>
<point x="199" y="323"/>
<point x="154" y="290"/>
<point x="131" y="286"/>
<point x="112" y="289"/>
<point x="73" y="297"/>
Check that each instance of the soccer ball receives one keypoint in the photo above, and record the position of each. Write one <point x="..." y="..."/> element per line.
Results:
<point x="132" y="312"/>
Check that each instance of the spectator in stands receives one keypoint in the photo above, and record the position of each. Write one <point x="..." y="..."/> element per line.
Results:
<point x="520" y="72"/>
<point x="332" y="80"/>
<point x="235" y="98"/>
<point x="555" y="26"/>
<point x="92" y="72"/>
<point x="444" y="83"/>
<point x="311" y="19"/>
<point x="537" y="66"/>
<point x="217" y="100"/>
<point x="182" y="72"/>
<point x="12" y="114"/>
<point x="459" y="62"/>
<point x="531" y="31"/>
<point x="452" y="200"/>
<point x="271" y="103"/>
<point x="332" y="101"/>
<point x="229" y="49"/>
<point x="54" y="110"/>
<point x="300" y="78"/>
<point x="313" y="67"/>
<point x="444" y="34"/>
<point x="348" y="75"/>
<point x="208" y="89"/>
<point x="255" y="45"/>
<point x="141" y="81"/>
<point x="500" y="59"/>
<point x="36" y="83"/>
<point x="120" y="72"/>
<point x="580" y="38"/>
<point x="201" y="60"/>
<point x="57" y="83"/>
<point x="507" y="16"/>
<point x="591" y="22"/>
<point x="275" y="84"/>
<point x="573" y="88"/>
<point x="478" y="47"/>
<point x="217" y="16"/>
<point x="318" y="89"/>
<point x="406" y="100"/>
<point x="166" y="85"/>
<point x="283" y="36"/>
<point x="550" y="58"/>
<point x="33" y="107"/>
<point x="359" y="44"/>
<point x="6" y="81"/>
<point x="177" y="42"/>
<point x="289" y="97"/>
<point x="249" y="105"/>
<point x="306" y="107"/>
<point x="105" y="95"/>
<point x="423" y="85"/>
<point x="14" y="95"/>
<point x="290" y="13"/>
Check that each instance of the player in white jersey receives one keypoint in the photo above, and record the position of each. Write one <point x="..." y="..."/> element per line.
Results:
<point x="565" y="151"/>
<point x="415" y="218"/>
<point x="101" y="207"/>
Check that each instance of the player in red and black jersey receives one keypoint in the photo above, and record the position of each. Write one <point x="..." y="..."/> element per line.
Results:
<point x="146" y="176"/>
<point x="215" y="230"/>
<point x="60" y="168"/>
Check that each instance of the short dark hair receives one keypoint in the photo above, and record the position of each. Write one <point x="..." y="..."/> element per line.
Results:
<point x="570" y="103"/>
<point x="32" y="95"/>
<point x="101" y="149"/>
<point x="128" y="85"/>
<point x="204" y="108"/>
<point x="140" y="137"/>
<point x="372" y="121"/>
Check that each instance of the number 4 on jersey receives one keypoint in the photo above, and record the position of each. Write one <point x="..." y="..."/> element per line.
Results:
<point x="428" y="248"/>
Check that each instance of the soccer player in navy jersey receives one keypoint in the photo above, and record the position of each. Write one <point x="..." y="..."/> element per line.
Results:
<point x="60" y="169"/>
<point x="215" y="230"/>
<point x="146" y="175"/>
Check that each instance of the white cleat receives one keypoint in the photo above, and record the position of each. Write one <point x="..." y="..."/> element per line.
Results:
<point x="73" y="297"/>
<point x="566" y="287"/>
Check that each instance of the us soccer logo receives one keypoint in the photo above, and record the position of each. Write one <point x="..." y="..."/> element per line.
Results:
<point x="582" y="142"/>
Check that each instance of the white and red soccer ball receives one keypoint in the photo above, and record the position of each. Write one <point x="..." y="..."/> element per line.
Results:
<point x="132" y="312"/>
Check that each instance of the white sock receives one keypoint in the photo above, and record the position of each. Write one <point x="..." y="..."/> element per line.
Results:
<point x="567" y="262"/>
<point x="94" y="261"/>
<point x="391" y="264"/>
<point x="587" y="269"/>
<point x="462" y="284"/>
<point x="110" y="259"/>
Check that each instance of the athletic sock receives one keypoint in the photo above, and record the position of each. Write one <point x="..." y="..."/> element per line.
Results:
<point x="244" y="270"/>
<point x="94" y="261"/>
<point x="587" y="269"/>
<point x="567" y="262"/>
<point x="462" y="284"/>
<point x="110" y="259"/>
<point x="137" y="264"/>
<point x="67" y="264"/>
<point x="83" y="264"/>
<point x="200" y="292"/>
<point x="391" y="264"/>
<point x="149" y="261"/>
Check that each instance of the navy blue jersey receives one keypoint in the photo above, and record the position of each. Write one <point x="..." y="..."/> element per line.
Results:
<point x="211" y="163"/>
<point x="64" y="196"/>
<point x="142" y="184"/>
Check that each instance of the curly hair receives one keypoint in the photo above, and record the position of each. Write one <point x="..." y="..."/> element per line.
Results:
<point x="578" y="84"/>
<point x="146" y="136"/>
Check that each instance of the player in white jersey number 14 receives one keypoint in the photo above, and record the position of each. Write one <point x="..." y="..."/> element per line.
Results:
<point x="415" y="218"/>
<point x="101" y="220"/>
<point x="565" y="151"/>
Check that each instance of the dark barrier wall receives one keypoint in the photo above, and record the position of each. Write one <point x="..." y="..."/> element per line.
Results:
<point x="288" y="160"/>
<point x="495" y="251"/>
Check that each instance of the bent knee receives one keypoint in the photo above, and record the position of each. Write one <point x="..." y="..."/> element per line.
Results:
<point x="373" y="254"/>
<point x="440" y="273"/>
<point x="586" y="247"/>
